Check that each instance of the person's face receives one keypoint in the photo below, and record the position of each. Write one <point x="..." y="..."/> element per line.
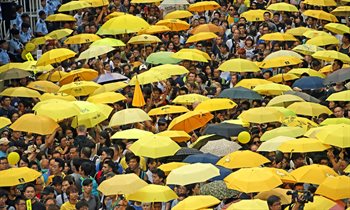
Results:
<point x="73" y="153"/>
<point x="157" y="206"/>
<point x="73" y="197"/>
<point x="338" y="112"/>
<point x="216" y="73"/>
<point x="176" y="39"/>
<point x="29" y="193"/>
<point x="146" y="206"/>
<point x="65" y="185"/>
<point x="56" y="168"/>
<point x="157" y="179"/>
<point x="88" y="188"/>
<point x="133" y="164"/>
<point x="265" y="30"/>
<point x="299" y="162"/>
<point x="324" y="162"/>
<point x="23" y="164"/>
<point x="191" y="77"/>
<point x="201" y="21"/>
<point x="4" y="164"/>
<point x="3" y="200"/>
<point x="276" y="206"/>
<point x="21" y="205"/>
<point x="35" y="167"/>
<point x="105" y="168"/>
<point x="103" y="155"/>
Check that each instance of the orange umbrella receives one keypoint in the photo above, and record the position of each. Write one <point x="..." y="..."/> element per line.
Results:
<point x="207" y="28"/>
<point x="190" y="121"/>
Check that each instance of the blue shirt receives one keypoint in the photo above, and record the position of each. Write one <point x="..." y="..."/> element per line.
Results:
<point x="41" y="27"/>
<point x="15" y="45"/>
<point x="4" y="57"/>
<point x="2" y="154"/>
<point x="25" y="36"/>
<point x="17" y="21"/>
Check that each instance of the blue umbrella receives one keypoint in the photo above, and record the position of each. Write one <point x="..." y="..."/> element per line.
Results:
<point x="202" y="158"/>
<point x="309" y="83"/>
<point x="240" y="93"/>
<point x="224" y="172"/>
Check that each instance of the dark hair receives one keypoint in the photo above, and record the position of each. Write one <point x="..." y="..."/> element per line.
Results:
<point x="71" y="189"/>
<point x="272" y="199"/>
<point x="77" y="163"/>
<point x="347" y="35"/>
<point x="3" y="193"/>
<point x="57" y="180"/>
<point x="28" y="185"/>
<point x="19" y="198"/>
<point x="159" y="173"/>
<point x="60" y="162"/>
<point x="105" y="135"/>
<point x="339" y="62"/>
<point x="108" y="151"/>
<point x="87" y="182"/>
<point x="86" y="151"/>
<point x="31" y="163"/>
<point x="86" y="168"/>
<point x="132" y="156"/>
<point x="41" y="13"/>
<point x="81" y="204"/>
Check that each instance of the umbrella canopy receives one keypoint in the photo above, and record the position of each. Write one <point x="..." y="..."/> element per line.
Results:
<point x="283" y="131"/>
<point x="56" y="109"/>
<point x="313" y="33"/>
<point x="53" y="76"/>
<point x="178" y="14"/>
<point x="162" y="58"/>
<point x="239" y="65"/>
<point x="340" y="75"/>
<point x="273" y="144"/>
<point x="304" y="96"/>
<point x="297" y="31"/>
<point x="341" y="11"/>
<point x="110" y="77"/>
<point x="110" y="87"/>
<point x="307" y="49"/>
<point x="106" y="98"/>
<point x="128" y="116"/>
<point x="144" y="39"/>
<point x="18" y="176"/>
<point x="283" y="7"/>
<point x="90" y="114"/>
<point x="250" y="180"/>
<point x="174" y="24"/>
<point x="182" y="153"/>
<point x="80" y="88"/>
<point x="60" y="18"/>
<point x="191" y="55"/>
<point x="309" y="109"/>
<point x="336" y="135"/>
<point x="55" y="56"/>
<point x="154" y="146"/>
<point x="62" y="96"/>
<point x="44" y="86"/>
<point x="177" y="136"/>
<point x="168" y="167"/>
<point x="280" y="78"/>
<point x="320" y="202"/>
<point x="249" y="204"/>
<point x="240" y="93"/>
<point x="108" y="42"/>
<point x="169" y="69"/>
<point x="82" y="38"/>
<point x="189" y="99"/>
<point x="284" y="100"/>
<point x="167" y="109"/>
<point x="73" y="5"/>
<point x="197" y="202"/>
<point x="133" y="133"/>
<point x="218" y="189"/>
<point x="220" y="147"/>
<point x="301" y="122"/>
<point x="302" y="145"/>
<point x="335" y="121"/>
<point x="79" y="74"/>
<point x="201" y="36"/>
<point x="254" y="15"/>
<point x="121" y="184"/>
<point x="40" y="124"/>
<point x="340" y="96"/>
<point x="321" y="15"/>
<point x="148" y="77"/>
<point x="280" y="62"/>
<point x="323" y="41"/>
<point x="94" y="52"/>
<point x="97" y="3"/>
<point x="283" y="175"/>
<point x="278" y="37"/>
<point x="203" y="6"/>
<point x="153" y="193"/>
<point x="20" y="92"/>
<point x="154" y="29"/>
<point x="4" y="122"/>
<point x="190" y="121"/>
<point x="272" y="89"/>
<point x="261" y="115"/>
<point x="309" y="83"/>
<point x="216" y="104"/>
<point x="281" y="193"/>
<point x="335" y="188"/>
<point x="331" y="55"/>
<point x="14" y="74"/>
<point x="123" y="24"/>
<point x="193" y="173"/>
<point x="324" y="3"/>
<point x="207" y="28"/>
<point x="313" y="174"/>
<point x="226" y="130"/>
<point x="60" y="33"/>
<point x="310" y="72"/>
<point x="337" y="28"/>
<point x="202" y="158"/>
<point x="242" y="159"/>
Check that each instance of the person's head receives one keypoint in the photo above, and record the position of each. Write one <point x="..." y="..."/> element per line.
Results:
<point x="82" y="205"/>
<point x="298" y="160"/>
<point x="4" y="144"/>
<point x="107" y="166"/>
<point x="29" y="191"/>
<point x="146" y="206"/>
<point x="81" y="130"/>
<point x="133" y="161"/>
<point x="338" y="111"/>
<point x="20" y="203"/>
<point x="162" y="124"/>
<point x="158" y="176"/>
<point x="72" y="194"/>
<point x="85" y="152"/>
<point x="87" y="186"/>
<point x="3" y="197"/>
<point x="42" y="13"/>
<point x="346" y="38"/>
<point x="274" y="202"/>
<point x="73" y="152"/>
<point x="57" y="183"/>
<point x="85" y="169"/>
<point x="107" y="153"/>
<point x="58" y="166"/>
<point x="337" y="64"/>
<point x="67" y="181"/>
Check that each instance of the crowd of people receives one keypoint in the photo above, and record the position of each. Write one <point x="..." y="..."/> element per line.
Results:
<point x="75" y="161"/>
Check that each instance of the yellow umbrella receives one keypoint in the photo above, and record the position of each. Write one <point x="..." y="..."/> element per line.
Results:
<point x="40" y="40"/>
<point x="237" y="122"/>
<point x="207" y="28"/>
<point x="239" y="65"/>
<point x="154" y="29"/>
<point x="341" y="11"/>
<point x="283" y="7"/>
<point x="11" y="66"/>
<point x="60" y="33"/>
<point x="79" y="74"/>
<point x="347" y="169"/>
<point x="282" y="131"/>
<point x="174" y="24"/>
<point x="336" y="135"/>
<point x="97" y="3"/>
<point x="201" y="36"/>
<point x="145" y="1"/>
<point x="114" y="14"/>
<point x="302" y="145"/>
<point x="56" y="109"/>
<point x="313" y="174"/>
<point x="148" y="77"/>
<point x="123" y="24"/>
<point x="178" y="136"/>
<point x="90" y="114"/>
<point x="272" y="89"/>
<point x="4" y="122"/>
<point x="169" y="69"/>
<point x="192" y="173"/>
<point x="94" y="52"/>
<point x="313" y="33"/>
<point x="18" y="176"/>
<point x="283" y="175"/>
<point x="80" y="88"/>
<point x="106" y="98"/>
<point x="128" y="116"/>
<point x="310" y="72"/>
<point x="144" y="39"/>
<point x="168" y="167"/>
<point x="138" y="100"/>
<point x="298" y="31"/>
<point x="340" y="96"/>
<point x="189" y="99"/>
<point x="121" y="184"/>
<point x="55" y="56"/>
<point x="82" y="39"/>
<point x="278" y="37"/>
<point x="335" y="188"/>
<point x="39" y="124"/>
<point x="197" y="202"/>
<point x="309" y="109"/>
<point x="250" y="180"/>
<point x="328" y="68"/>
<point x="203" y="6"/>
<point x="337" y="28"/>
<point x="335" y="121"/>
<point x="73" y="5"/>
<point x="154" y="146"/>
<point x="272" y="144"/>
<point x="53" y="76"/>
<point x="323" y="41"/>
<point x="216" y="104"/>
<point x="301" y="122"/>
<point x="178" y="14"/>
<point x="307" y="49"/>
<point x="281" y="193"/>
<point x="321" y="15"/>
<point x="283" y="53"/>
<point x="62" y="96"/>
<point x="251" y="83"/>
<point x="108" y="42"/>
<point x="255" y="204"/>
<point x="330" y="55"/>
<point x="133" y="133"/>
<point x="254" y="15"/>
<point x="44" y="86"/>
<point x="320" y="202"/>
<point x="31" y="66"/>
<point x="261" y="115"/>
<point x="110" y="87"/>
<point x="324" y="3"/>
<point x="242" y="159"/>
<point x="280" y="62"/>
<point x="20" y="92"/>
<point x="167" y="109"/>
<point x="279" y="78"/>
<point x="190" y="121"/>
<point x="60" y="18"/>
<point x="153" y="193"/>
<point x="204" y="54"/>
<point x="284" y="100"/>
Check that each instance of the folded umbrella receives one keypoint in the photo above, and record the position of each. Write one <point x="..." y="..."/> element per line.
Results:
<point x="226" y="130"/>
<point x="309" y="83"/>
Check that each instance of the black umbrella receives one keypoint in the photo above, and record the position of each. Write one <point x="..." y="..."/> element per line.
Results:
<point x="226" y="130"/>
<point x="202" y="140"/>
<point x="340" y="75"/>
<point x="304" y="96"/>
<point x="182" y="153"/>
<point x="240" y="93"/>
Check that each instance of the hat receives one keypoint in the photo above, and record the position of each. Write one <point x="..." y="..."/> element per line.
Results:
<point x="142" y="67"/>
<point x="48" y="190"/>
<point x="32" y="149"/>
<point x="4" y="141"/>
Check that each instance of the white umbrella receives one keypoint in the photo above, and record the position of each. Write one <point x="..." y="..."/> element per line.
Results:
<point x="220" y="147"/>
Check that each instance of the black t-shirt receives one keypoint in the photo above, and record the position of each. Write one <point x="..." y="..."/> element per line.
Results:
<point x="38" y="206"/>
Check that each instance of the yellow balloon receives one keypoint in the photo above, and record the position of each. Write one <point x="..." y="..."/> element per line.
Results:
<point x="244" y="137"/>
<point x="13" y="158"/>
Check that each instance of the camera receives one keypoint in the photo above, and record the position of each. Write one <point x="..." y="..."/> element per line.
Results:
<point x="301" y="196"/>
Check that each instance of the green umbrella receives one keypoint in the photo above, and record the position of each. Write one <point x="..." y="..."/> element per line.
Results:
<point x="108" y="42"/>
<point x="219" y="190"/>
<point x="14" y="74"/>
<point x="162" y="58"/>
